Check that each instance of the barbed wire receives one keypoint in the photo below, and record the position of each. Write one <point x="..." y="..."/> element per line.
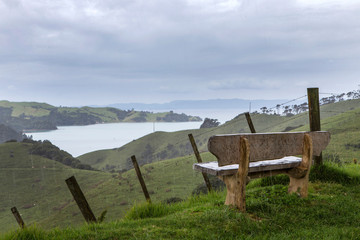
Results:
<point x="340" y="112"/>
<point x="238" y="118"/>
<point x="293" y="100"/>
<point x="290" y="119"/>
<point x="229" y="123"/>
<point x="330" y="93"/>
<point x="186" y="140"/>
<point x="241" y="117"/>
<point x="332" y="111"/>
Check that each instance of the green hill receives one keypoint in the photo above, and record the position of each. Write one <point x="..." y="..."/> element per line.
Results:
<point x="41" y="116"/>
<point x="345" y="136"/>
<point x="7" y="134"/>
<point x="331" y="211"/>
<point x="36" y="186"/>
<point x="163" y="145"/>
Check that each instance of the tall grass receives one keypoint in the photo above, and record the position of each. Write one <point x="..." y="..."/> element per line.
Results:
<point x="147" y="210"/>
<point x="332" y="211"/>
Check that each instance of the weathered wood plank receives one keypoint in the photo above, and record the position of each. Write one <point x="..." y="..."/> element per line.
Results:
<point x="264" y="145"/>
<point x="254" y="167"/>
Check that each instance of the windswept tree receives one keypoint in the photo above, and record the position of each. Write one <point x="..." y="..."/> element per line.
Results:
<point x="264" y="109"/>
<point x="209" y="123"/>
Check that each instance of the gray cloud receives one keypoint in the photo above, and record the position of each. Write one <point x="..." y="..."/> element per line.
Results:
<point x="100" y="52"/>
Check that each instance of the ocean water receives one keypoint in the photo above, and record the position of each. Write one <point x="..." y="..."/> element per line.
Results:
<point x="78" y="140"/>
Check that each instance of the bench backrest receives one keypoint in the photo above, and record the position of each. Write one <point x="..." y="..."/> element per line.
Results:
<point x="264" y="146"/>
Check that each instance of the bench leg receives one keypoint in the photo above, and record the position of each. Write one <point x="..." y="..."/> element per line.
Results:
<point x="299" y="176"/>
<point x="236" y="183"/>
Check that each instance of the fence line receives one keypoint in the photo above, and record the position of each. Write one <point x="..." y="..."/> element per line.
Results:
<point x="240" y="117"/>
<point x="293" y="100"/>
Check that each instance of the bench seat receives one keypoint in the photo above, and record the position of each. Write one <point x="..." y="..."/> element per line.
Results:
<point x="242" y="157"/>
<point x="260" y="166"/>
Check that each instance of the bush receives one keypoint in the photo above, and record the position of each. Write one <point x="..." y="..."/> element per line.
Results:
<point x="210" y="123"/>
<point x="48" y="150"/>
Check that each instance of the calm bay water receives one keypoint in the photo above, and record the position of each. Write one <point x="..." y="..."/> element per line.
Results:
<point x="78" y="140"/>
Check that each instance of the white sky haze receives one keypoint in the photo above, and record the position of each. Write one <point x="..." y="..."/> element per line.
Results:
<point x="88" y="52"/>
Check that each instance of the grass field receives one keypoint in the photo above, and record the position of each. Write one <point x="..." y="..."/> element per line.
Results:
<point x="330" y="212"/>
<point x="27" y="108"/>
<point x="36" y="186"/>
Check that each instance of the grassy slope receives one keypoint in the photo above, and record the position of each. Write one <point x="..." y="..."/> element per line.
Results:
<point x="35" y="185"/>
<point x="41" y="195"/>
<point x="119" y="156"/>
<point x="160" y="140"/>
<point x="28" y="108"/>
<point x="103" y="113"/>
<point x="34" y="109"/>
<point x="273" y="218"/>
<point x="330" y="212"/>
<point x="344" y="129"/>
<point x="263" y="123"/>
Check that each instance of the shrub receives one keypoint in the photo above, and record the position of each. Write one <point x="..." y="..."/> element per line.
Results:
<point x="210" y="123"/>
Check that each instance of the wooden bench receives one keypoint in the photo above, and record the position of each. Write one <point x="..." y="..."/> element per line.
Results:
<point x="244" y="156"/>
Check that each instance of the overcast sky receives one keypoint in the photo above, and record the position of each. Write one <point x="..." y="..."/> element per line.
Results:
<point x="84" y="52"/>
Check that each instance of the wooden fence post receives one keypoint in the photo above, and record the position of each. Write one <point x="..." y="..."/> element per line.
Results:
<point x="80" y="199"/>
<point x="18" y="217"/>
<point x="199" y="160"/>
<point x="141" y="180"/>
<point x="250" y="123"/>
<point x="314" y="116"/>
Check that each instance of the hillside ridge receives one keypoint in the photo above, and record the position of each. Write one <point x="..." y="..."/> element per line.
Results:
<point x="36" y="184"/>
<point x="42" y="116"/>
<point x="163" y="145"/>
